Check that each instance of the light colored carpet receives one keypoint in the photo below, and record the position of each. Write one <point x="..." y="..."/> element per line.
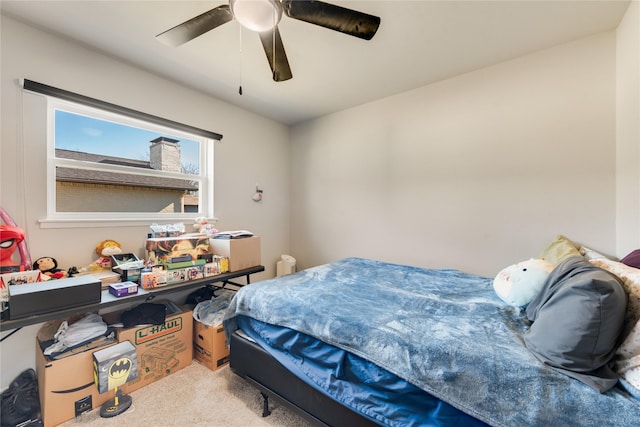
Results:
<point x="196" y="396"/>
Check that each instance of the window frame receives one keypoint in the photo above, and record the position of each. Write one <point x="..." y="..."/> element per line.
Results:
<point x="55" y="219"/>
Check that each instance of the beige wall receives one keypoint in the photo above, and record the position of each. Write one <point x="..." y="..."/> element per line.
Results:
<point x="628" y="131"/>
<point x="254" y="150"/>
<point x="476" y="172"/>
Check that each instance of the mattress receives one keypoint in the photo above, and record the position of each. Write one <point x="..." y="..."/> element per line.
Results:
<point x="354" y="382"/>
<point x="443" y="331"/>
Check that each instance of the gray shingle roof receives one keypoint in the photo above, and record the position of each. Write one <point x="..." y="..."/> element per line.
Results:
<point x="113" y="178"/>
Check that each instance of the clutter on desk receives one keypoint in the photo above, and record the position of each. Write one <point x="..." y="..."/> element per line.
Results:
<point x="167" y="230"/>
<point x="105" y="250"/>
<point x="235" y="234"/>
<point x="202" y="225"/>
<point x="171" y="256"/>
<point x="128" y="266"/>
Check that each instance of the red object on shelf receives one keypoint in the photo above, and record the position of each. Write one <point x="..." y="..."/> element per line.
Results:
<point x="10" y="239"/>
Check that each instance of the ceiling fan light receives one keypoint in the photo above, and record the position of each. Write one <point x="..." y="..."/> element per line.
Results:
<point x="257" y="15"/>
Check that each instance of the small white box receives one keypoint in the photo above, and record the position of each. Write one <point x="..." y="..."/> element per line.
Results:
<point x="123" y="289"/>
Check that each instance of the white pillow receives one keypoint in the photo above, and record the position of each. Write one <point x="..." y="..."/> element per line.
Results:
<point x="590" y="253"/>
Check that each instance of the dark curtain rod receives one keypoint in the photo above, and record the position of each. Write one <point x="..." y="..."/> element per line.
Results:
<point x="44" y="89"/>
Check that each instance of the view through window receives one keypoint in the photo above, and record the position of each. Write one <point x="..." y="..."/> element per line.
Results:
<point x="104" y="164"/>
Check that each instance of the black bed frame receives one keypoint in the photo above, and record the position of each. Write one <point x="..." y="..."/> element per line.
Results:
<point x="272" y="379"/>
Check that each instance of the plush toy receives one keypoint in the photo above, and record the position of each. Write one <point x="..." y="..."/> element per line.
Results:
<point x="202" y="225"/>
<point x="49" y="267"/>
<point x="519" y="283"/>
<point x="104" y="249"/>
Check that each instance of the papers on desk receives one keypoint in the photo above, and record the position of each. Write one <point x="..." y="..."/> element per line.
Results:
<point x="236" y="234"/>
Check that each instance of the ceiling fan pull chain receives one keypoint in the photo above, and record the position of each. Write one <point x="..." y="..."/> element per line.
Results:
<point x="240" y="87"/>
<point x="273" y="46"/>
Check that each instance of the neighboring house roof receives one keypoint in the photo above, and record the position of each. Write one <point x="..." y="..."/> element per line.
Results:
<point x="114" y="178"/>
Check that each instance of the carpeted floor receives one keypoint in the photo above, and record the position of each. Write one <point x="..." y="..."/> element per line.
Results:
<point x="196" y="396"/>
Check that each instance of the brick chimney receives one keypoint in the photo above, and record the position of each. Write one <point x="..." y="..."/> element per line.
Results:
<point x="165" y="154"/>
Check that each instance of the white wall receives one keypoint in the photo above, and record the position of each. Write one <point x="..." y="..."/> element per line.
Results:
<point x="476" y="172"/>
<point x="628" y="131"/>
<point x="253" y="150"/>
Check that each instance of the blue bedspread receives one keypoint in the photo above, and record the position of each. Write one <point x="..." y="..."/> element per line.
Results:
<point x="442" y="330"/>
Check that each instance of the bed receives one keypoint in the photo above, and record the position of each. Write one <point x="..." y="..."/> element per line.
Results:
<point x="363" y="342"/>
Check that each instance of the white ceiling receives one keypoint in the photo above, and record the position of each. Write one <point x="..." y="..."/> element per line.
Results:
<point x="419" y="42"/>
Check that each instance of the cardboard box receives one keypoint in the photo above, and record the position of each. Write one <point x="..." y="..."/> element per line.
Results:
<point x="66" y="386"/>
<point x="164" y="249"/>
<point x="242" y="253"/>
<point x="154" y="278"/>
<point x="53" y="295"/>
<point x="106" y="277"/>
<point x="210" y="345"/>
<point x="161" y="349"/>
<point x="114" y="366"/>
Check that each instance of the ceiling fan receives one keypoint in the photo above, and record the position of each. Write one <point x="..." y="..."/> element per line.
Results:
<point x="263" y="16"/>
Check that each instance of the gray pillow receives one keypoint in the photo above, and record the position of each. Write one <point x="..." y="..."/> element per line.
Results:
<point x="577" y="321"/>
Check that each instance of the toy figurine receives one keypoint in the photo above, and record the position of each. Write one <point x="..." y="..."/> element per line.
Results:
<point x="202" y="225"/>
<point x="104" y="249"/>
<point x="49" y="267"/>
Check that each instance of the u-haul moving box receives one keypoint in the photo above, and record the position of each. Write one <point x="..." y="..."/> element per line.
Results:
<point x="161" y="349"/>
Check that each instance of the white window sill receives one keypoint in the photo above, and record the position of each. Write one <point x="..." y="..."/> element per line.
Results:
<point x="112" y="222"/>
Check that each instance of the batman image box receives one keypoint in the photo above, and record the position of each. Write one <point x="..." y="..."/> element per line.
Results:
<point x="114" y="366"/>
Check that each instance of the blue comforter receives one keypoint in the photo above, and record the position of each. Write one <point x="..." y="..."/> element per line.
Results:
<point x="442" y="330"/>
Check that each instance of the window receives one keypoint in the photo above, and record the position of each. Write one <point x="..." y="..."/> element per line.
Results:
<point x="105" y="166"/>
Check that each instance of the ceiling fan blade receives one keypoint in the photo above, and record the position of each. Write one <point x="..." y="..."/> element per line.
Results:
<point x="354" y="23"/>
<point x="197" y="26"/>
<point x="277" y="57"/>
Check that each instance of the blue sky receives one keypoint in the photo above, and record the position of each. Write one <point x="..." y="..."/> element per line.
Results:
<point x="89" y="135"/>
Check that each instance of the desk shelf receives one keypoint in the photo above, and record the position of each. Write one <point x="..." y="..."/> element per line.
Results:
<point x="109" y="301"/>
